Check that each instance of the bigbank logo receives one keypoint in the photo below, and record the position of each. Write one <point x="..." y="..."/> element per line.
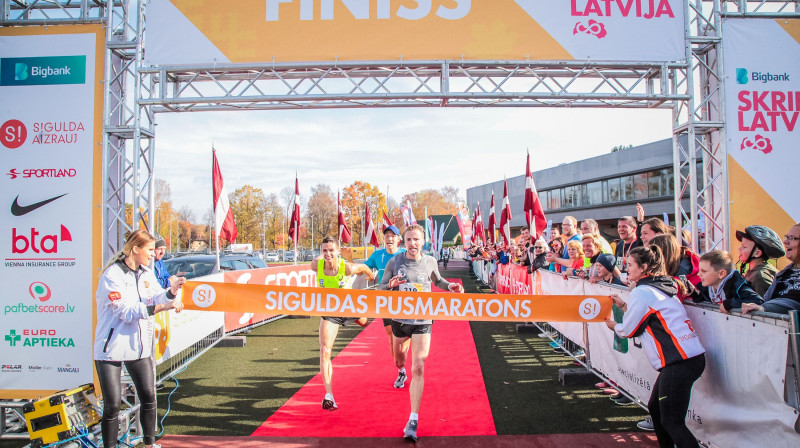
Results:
<point x="47" y="70"/>
<point x="743" y="76"/>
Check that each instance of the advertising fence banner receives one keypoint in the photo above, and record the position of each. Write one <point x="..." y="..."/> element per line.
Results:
<point x="193" y="32"/>
<point x="392" y="304"/>
<point x="762" y="115"/>
<point x="175" y="332"/>
<point x="741" y="387"/>
<point x="298" y="275"/>
<point x="50" y="154"/>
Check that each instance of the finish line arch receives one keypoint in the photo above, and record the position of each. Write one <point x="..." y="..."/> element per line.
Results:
<point x="136" y="89"/>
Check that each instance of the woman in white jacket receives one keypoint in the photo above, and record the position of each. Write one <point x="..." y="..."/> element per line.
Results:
<point x="654" y="314"/>
<point x="128" y="296"/>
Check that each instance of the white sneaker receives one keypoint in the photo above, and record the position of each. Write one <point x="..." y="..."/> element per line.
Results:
<point x="401" y="380"/>
<point x="328" y="403"/>
<point x="410" y="431"/>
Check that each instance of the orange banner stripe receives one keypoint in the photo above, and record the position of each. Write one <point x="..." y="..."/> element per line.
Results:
<point x="302" y="301"/>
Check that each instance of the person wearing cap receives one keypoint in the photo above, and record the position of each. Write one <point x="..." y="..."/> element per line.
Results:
<point x="606" y="265"/>
<point x="784" y="293"/>
<point x="159" y="267"/>
<point x="378" y="260"/>
<point x="759" y="244"/>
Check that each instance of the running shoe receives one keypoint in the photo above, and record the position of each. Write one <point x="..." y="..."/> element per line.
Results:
<point x="401" y="380"/>
<point x="410" y="431"/>
<point x="610" y="391"/>
<point x="623" y="401"/>
<point x="328" y="403"/>
<point x="601" y="385"/>
<point x="547" y="334"/>
<point x="646" y="424"/>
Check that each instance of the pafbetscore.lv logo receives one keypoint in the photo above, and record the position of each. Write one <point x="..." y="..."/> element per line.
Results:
<point x="204" y="295"/>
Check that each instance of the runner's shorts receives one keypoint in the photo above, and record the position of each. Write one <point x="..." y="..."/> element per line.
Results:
<point x="343" y="321"/>
<point x="387" y="322"/>
<point x="401" y="330"/>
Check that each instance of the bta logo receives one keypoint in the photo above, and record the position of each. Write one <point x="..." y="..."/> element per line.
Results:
<point x="13" y="134"/>
<point x="21" y="243"/>
<point x="759" y="143"/>
<point x="39" y="291"/>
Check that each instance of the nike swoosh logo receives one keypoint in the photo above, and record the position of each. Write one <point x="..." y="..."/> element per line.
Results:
<point x="661" y="398"/>
<point x="19" y="210"/>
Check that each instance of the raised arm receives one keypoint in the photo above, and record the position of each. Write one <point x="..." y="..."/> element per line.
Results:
<point x="359" y="269"/>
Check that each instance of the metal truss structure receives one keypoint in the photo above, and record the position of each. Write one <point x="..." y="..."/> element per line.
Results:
<point x="135" y="92"/>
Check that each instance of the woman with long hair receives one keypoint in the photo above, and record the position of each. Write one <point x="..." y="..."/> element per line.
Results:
<point x="654" y="314"/>
<point x="556" y="247"/>
<point x="128" y="295"/>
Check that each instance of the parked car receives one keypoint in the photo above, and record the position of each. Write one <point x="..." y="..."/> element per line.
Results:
<point x="271" y="257"/>
<point x="191" y="266"/>
<point x="288" y="256"/>
<point x="308" y="255"/>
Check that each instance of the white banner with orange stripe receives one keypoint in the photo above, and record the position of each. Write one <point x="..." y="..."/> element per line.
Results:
<point x="248" y="31"/>
<point x="393" y="304"/>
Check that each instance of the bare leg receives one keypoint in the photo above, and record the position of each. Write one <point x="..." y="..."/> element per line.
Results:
<point x="419" y="353"/>
<point x="327" y="335"/>
<point x="400" y="351"/>
<point x="388" y="329"/>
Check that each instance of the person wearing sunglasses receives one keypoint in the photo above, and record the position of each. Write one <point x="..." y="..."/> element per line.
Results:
<point x="784" y="294"/>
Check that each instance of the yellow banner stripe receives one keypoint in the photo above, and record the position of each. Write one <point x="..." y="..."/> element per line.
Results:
<point x="301" y="301"/>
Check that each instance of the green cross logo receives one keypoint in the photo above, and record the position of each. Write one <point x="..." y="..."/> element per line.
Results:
<point x="13" y="337"/>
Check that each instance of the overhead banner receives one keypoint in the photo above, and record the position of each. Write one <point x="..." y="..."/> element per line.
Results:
<point x="392" y="304"/>
<point x="50" y="156"/>
<point x="200" y="32"/>
<point x="762" y="91"/>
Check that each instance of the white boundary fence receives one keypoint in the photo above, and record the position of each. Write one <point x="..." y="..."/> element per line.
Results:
<point x="747" y="396"/>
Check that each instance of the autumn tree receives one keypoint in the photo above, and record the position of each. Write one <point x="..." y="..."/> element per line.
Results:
<point x="322" y="209"/>
<point x="354" y="199"/>
<point x="442" y="202"/>
<point x="249" y="207"/>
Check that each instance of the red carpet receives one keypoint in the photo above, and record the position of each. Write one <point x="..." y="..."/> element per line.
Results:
<point x="454" y="401"/>
<point x="600" y="440"/>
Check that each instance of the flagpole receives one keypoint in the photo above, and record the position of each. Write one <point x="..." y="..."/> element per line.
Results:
<point x="214" y="209"/>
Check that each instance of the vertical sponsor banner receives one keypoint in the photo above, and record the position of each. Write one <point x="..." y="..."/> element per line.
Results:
<point x="50" y="152"/>
<point x="190" y="31"/>
<point x="762" y="91"/>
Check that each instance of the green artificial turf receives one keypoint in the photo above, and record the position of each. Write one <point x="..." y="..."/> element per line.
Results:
<point x="230" y="391"/>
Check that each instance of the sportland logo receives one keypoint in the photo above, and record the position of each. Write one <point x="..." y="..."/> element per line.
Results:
<point x="39" y="173"/>
<point x="48" y="70"/>
<point x="743" y="76"/>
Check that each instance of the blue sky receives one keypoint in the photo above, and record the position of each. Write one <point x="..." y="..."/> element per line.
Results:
<point x="404" y="149"/>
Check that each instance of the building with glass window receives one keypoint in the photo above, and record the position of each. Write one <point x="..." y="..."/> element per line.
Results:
<point x="603" y="188"/>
